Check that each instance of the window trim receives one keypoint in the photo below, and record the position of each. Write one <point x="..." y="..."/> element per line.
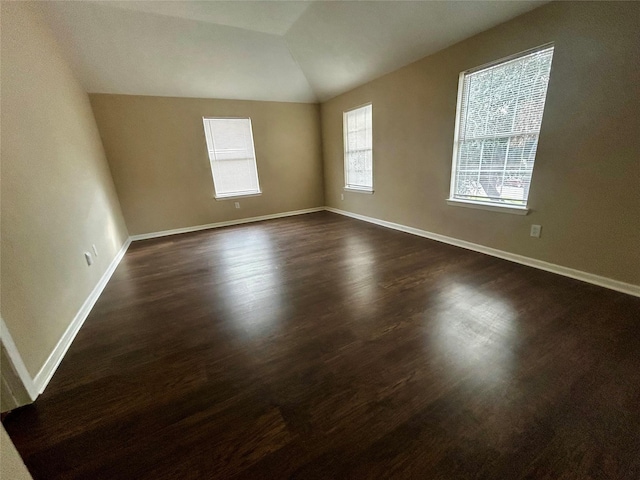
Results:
<point x="492" y="207"/>
<point x="479" y="204"/>
<point x="355" y="188"/>
<point x="359" y="190"/>
<point x="235" y="195"/>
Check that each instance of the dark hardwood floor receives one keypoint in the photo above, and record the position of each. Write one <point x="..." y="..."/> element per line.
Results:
<point x="323" y="347"/>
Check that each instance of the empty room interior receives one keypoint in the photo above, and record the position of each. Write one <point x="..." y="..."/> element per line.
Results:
<point x="320" y="240"/>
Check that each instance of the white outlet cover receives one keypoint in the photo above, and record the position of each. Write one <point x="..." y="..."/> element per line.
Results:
<point x="536" y="230"/>
<point x="237" y="204"/>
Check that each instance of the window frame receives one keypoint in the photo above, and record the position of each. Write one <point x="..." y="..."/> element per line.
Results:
<point x="481" y="204"/>
<point x="255" y="161"/>
<point x="355" y="188"/>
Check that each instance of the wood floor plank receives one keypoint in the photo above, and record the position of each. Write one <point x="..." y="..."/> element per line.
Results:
<point x="319" y="346"/>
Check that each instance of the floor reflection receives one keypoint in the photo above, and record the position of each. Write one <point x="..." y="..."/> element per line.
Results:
<point x="360" y="275"/>
<point x="250" y="286"/>
<point x="475" y="332"/>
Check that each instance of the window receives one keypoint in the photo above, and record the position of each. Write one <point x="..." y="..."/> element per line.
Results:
<point x="497" y="126"/>
<point x="358" y="152"/>
<point x="232" y="156"/>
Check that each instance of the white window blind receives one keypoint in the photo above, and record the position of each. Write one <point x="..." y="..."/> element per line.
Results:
<point x="499" y="116"/>
<point x="358" y="153"/>
<point x="232" y="156"/>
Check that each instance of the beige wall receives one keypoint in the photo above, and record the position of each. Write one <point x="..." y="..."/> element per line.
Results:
<point x="158" y="156"/>
<point x="11" y="465"/>
<point x="586" y="182"/>
<point x="57" y="194"/>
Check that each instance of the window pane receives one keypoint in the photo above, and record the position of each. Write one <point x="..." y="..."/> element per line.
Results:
<point x="358" y="154"/>
<point x="359" y="168"/>
<point x="500" y="116"/>
<point x="232" y="157"/>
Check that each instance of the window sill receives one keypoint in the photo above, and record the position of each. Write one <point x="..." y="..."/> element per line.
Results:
<point x="358" y="190"/>
<point x="234" y="197"/>
<point x="512" y="209"/>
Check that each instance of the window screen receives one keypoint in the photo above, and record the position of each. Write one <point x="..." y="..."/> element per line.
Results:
<point x="358" y="153"/>
<point x="499" y="117"/>
<point x="232" y="156"/>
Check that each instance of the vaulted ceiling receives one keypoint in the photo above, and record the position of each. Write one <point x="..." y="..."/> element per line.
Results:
<point x="294" y="51"/>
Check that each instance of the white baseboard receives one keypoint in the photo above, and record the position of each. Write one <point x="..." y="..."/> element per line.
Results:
<point x="240" y="221"/>
<point x="48" y="369"/>
<point x="16" y="360"/>
<point x="530" y="262"/>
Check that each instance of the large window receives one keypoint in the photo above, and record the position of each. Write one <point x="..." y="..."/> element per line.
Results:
<point x="498" y="120"/>
<point x="232" y="156"/>
<point x="358" y="153"/>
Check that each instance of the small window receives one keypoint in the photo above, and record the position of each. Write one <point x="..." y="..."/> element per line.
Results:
<point x="358" y="152"/>
<point x="498" y="122"/>
<point x="232" y="156"/>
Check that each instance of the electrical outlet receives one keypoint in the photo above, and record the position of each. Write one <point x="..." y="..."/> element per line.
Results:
<point x="95" y="250"/>
<point x="535" y="230"/>
<point x="88" y="258"/>
<point x="237" y="204"/>
<point x="342" y="196"/>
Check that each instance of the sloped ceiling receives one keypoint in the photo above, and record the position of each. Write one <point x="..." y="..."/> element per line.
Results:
<point x="293" y="51"/>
